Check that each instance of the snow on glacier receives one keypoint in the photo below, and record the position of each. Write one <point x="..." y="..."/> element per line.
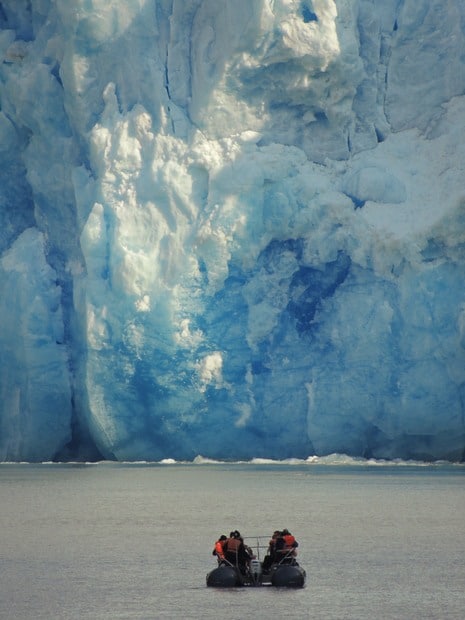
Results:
<point x="233" y="229"/>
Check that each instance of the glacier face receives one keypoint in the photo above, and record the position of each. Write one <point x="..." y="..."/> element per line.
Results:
<point x="234" y="229"/>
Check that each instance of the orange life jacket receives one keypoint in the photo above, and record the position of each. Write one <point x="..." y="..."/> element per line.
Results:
<point x="219" y="549"/>
<point x="289" y="541"/>
<point x="232" y="545"/>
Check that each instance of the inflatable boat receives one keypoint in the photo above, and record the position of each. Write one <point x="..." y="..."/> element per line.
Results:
<point x="286" y="573"/>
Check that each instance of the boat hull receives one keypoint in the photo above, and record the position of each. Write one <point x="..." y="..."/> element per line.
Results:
<point x="279" y="576"/>
<point x="288" y="576"/>
<point x="224" y="577"/>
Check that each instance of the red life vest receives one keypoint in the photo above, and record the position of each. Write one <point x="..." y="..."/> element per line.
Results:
<point x="289" y="541"/>
<point x="219" y="549"/>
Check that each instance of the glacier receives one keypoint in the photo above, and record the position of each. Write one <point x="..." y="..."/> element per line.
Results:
<point x="234" y="229"/>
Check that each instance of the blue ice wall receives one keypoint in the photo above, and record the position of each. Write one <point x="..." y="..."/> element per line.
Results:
<point x="232" y="229"/>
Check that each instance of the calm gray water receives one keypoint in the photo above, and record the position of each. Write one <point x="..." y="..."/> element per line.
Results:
<point x="134" y="541"/>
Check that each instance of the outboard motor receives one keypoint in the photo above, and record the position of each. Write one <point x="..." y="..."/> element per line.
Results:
<point x="255" y="570"/>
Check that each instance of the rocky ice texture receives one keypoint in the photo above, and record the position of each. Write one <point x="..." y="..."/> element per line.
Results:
<point x="234" y="229"/>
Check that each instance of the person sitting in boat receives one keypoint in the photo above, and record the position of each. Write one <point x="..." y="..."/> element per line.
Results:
<point x="248" y="550"/>
<point x="219" y="548"/>
<point x="271" y="553"/>
<point x="285" y="547"/>
<point x="235" y="552"/>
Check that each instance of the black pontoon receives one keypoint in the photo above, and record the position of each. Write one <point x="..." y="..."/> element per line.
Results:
<point x="285" y="573"/>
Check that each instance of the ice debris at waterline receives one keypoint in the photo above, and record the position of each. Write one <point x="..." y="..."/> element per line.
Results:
<point x="232" y="228"/>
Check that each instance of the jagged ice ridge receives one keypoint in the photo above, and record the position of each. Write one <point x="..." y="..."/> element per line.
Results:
<point x="234" y="229"/>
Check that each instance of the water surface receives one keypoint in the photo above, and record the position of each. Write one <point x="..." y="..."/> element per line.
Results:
<point x="130" y="541"/>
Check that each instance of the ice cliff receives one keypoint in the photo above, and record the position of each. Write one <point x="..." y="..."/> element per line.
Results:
<point x="233" y="228"/>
